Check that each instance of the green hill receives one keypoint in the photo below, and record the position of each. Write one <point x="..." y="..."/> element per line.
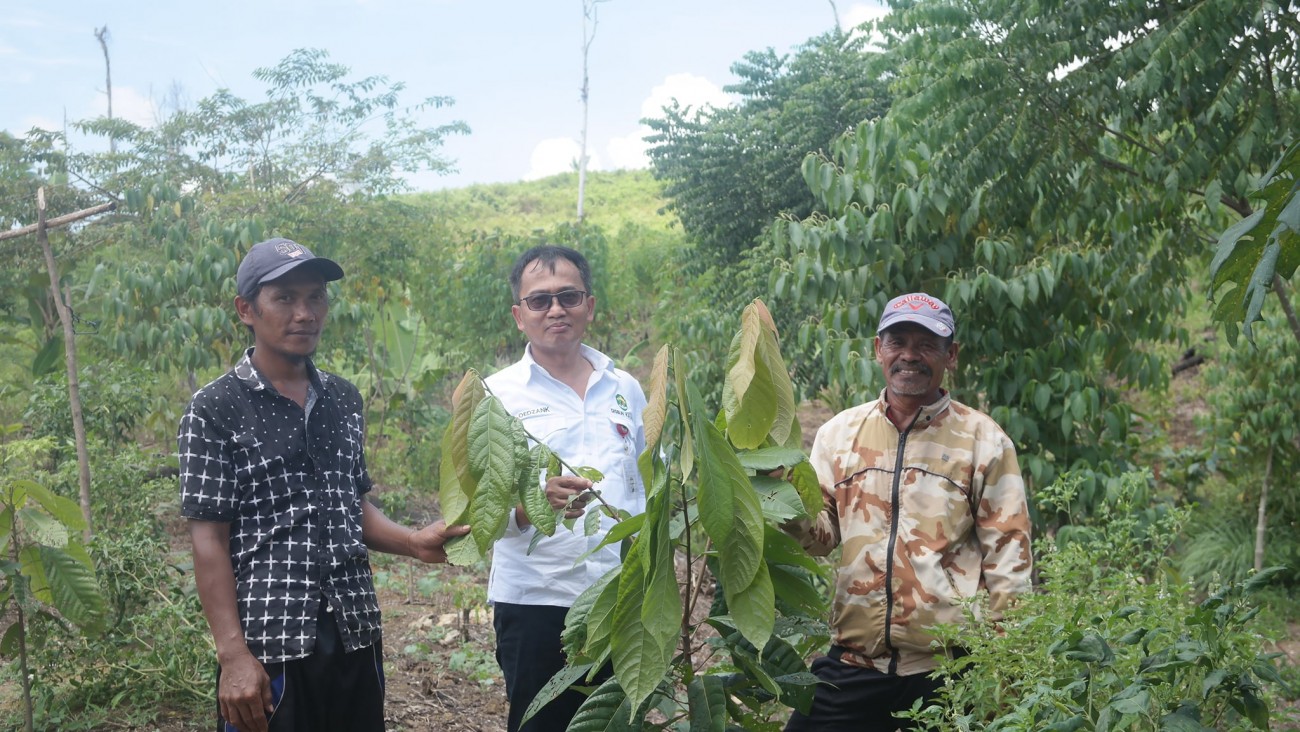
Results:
<point x="615" y="199"/>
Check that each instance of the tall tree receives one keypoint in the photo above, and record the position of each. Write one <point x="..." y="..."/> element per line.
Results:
<point x="729" y="171"/>
<point x="1048" y="169"/>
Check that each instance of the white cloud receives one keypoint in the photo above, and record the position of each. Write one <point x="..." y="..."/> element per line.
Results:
<point x="30" y="121"/>
<point x="629" y="151"/>
<point x="130" y="105"/>
<point x="557" y="155"/>
<point x="860" y="13"/>
<point x="688" y="89"/>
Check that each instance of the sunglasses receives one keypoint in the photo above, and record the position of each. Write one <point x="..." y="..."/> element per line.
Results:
<point x="542" y="300"/>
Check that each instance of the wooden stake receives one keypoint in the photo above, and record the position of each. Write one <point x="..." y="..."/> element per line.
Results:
<point x="70" y="359"/>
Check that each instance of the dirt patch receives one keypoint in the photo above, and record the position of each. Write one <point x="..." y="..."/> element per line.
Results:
<point x="441" y="672"/>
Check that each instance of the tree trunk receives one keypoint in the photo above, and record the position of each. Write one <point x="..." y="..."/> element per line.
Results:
<point x="102" y="35"/>
<point x="1261" y="522"/>
<point x="70" y="358"/>
<point x="588" y="35"/>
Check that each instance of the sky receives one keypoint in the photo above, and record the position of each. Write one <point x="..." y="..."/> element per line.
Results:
<point x="513" y="67"/>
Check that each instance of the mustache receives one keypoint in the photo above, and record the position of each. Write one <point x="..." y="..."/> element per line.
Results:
<point x="911" y="367"/>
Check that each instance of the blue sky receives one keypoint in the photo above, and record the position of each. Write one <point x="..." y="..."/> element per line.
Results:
<point x="514" y="67"/>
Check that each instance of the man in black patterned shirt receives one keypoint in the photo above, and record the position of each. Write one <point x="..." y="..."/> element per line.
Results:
<point x="273" y="473"/>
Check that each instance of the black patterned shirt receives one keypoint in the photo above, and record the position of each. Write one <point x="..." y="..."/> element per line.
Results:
<point x="290" y="481"/>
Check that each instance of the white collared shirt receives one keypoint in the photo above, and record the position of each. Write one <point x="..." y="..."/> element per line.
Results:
<point x="603" y="431"/>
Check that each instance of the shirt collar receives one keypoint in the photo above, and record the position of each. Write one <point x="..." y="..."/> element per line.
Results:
<point x="598" y="360"/>
<point x="927" y="413"/>
<point x="246" y="372"/>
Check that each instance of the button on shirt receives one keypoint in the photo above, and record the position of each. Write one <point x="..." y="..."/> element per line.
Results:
<point x="603" y="431"/>
<point x="290" y="483"/>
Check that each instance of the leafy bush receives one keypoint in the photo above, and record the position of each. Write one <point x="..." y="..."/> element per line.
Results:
<point x="1112" y="640"/>
<point x="111" y="399"/>
<point x="155" y="653"/>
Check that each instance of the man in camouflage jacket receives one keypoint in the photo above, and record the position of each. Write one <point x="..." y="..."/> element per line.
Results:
<point x="924" y="496"/>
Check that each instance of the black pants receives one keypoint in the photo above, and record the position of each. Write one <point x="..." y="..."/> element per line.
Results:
<point x="530" y="652"/>
<point x="860" y="699"/>
<point x="329" y="691"/>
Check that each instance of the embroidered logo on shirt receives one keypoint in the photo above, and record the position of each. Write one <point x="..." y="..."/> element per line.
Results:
<point x="531" y="412"/>
<point x="620" y="401"/>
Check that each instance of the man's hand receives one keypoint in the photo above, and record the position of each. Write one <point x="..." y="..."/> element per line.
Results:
<point x="244" y="695"/>
<point x="426" y="544"/>
<point x="561" y="491"/>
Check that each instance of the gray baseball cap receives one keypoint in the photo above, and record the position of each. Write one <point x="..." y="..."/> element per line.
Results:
<point x="272" y="259"/>
<point x="920" y="308"/>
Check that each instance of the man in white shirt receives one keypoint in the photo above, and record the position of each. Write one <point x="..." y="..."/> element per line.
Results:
<point x="570" y="397"/>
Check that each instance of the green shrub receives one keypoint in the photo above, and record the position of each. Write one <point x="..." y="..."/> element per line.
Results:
<point x="155" y="654"/>
<point x="1111" y="640"/>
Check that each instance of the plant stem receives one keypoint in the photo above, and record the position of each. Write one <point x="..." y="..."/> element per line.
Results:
<point x="686" y="612"/>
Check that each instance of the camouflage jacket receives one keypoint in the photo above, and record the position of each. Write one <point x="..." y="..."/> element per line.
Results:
<point x="926" y="518"/>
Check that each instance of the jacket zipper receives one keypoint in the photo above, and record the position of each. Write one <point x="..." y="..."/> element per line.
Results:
<point x="893" y="538"/>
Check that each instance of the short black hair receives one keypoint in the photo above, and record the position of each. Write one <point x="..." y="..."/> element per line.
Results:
<point x="548" y="255"/>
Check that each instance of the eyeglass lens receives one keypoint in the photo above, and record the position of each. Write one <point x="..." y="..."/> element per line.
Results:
<point x="568" y="299"/>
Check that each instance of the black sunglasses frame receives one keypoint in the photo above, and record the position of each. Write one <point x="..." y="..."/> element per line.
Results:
<point x="552" y="297"/>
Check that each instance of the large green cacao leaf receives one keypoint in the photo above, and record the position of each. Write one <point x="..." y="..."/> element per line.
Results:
<point x="785" y="427"/>
<point x="578" y="621"/>
<point x="498" y="453"/>
<point x="600" y="620"/>
<point x="608" y="709"/>
<point x="462" y="551"/>
<point x="64" y="509"/>
<point x="65" y="579"/>
<point x="656" y="408"/>
<point x="780" y="548"/>
<point x="753" y="608"/>
<point x="31" y="567"/>
<point x="770" y="458"/>
<point x="707" y="697"/>
<point x="729" y="508"/>
<point x="464" y="400"/>
<point x="687" y="458"/>
<point x="748" y="394"/>
<point x="564" y="678"/>
<point x="452" y="496"/>
<point x="661" y="613"/>
<point x="641" y="656"/>
<point x="757" y="394"/>
<point x="531" y="493"/>
<point x="41" y="528"/>
<point x="804" y="478"/>
<point x="796" y="589"/>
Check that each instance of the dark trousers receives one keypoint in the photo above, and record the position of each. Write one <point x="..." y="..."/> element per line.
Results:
<point x="853" y="699"/>
<point x="329" y="691"/>
<point x="530" y="652"/>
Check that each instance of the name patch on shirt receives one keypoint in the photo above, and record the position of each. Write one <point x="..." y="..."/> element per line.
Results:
<point x="533" y="411"/>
